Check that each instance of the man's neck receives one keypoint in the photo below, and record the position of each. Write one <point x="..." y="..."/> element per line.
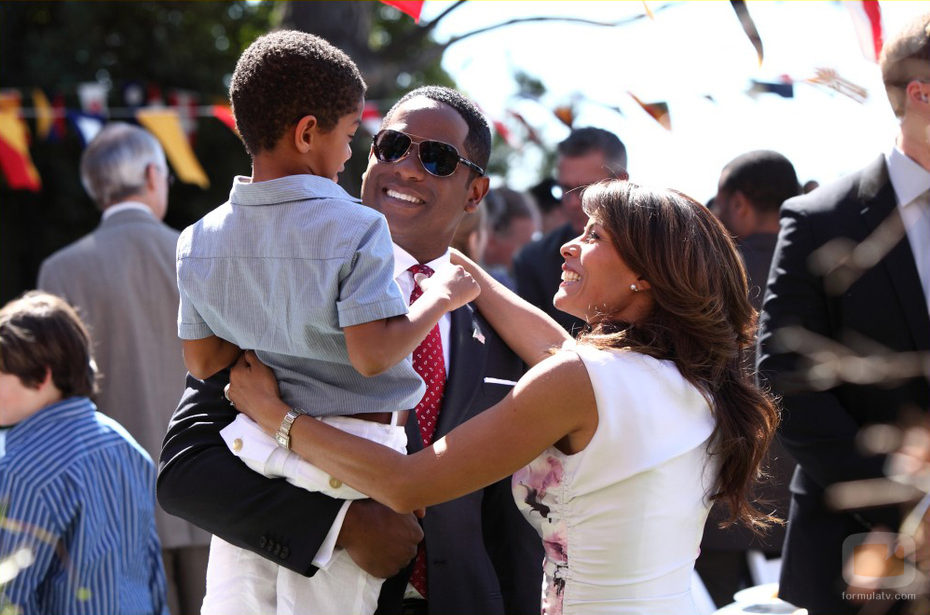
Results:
<point x="914" y="140"/>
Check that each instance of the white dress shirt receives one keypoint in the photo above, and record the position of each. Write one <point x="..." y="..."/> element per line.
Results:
<point x="125" y="206"/>
<point x="911" y="183"/>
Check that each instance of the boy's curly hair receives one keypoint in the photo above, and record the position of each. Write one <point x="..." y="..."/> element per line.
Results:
<point x="285" y="75"/>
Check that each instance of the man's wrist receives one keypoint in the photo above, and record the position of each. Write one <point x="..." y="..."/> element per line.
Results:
<point x="283" y="435"/>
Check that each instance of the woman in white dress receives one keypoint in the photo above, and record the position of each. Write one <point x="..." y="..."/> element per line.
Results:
<point x="619" y="443"/>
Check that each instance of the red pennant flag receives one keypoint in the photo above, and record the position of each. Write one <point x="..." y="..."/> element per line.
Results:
<point x="60" y="127"/>
<point x="15" y="161"/>
<point x="410" y="7"/>
<point x="505" y="133"/>
<point x="371" y="118"/>
<point x="224" y="114"/>
<point x="867" y="18"/>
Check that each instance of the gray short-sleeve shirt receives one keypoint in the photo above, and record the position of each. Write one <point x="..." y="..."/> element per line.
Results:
<point x="281" y="268"/>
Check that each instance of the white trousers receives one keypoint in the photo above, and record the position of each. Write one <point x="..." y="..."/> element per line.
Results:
<point x="240" y="582"/>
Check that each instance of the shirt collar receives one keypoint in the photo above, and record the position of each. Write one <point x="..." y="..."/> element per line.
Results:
<point x="404" y="261"/>
<point x="908" y="178"/>
<point x="50" y="415"/>
<point x="285" y="189"/>
<point x="126" y="206"/>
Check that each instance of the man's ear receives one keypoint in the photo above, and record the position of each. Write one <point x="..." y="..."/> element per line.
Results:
<point x="152" y="177"/>
<point x="307" y="127"/>
<point x="740" y="204"/>
<point x="477" y="190"/>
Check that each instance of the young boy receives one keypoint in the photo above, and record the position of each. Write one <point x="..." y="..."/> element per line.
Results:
<point x="77" y="493"/>
<point x="298" y="270"/>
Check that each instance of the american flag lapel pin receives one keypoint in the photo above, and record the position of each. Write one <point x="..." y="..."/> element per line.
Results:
<point x="478" y="335"/>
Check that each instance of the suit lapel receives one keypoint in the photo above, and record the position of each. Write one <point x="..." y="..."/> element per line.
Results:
<point x="467" y="359"/>
<point x="880" y="205"/>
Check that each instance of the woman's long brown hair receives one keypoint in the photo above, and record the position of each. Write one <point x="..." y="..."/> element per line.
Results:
<point x="701" y="320"/>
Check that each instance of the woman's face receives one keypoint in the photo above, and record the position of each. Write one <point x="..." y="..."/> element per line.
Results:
<point x="596" y="282"/>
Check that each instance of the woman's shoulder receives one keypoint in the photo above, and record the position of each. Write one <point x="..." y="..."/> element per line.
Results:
<point x="612" y="358"/>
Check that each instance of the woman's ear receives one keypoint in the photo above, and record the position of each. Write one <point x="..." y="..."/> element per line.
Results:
<point x="643" y="284"/>
<point x="306" y="128"/>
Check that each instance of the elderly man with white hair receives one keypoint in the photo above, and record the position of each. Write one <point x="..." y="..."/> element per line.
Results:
<point x="121" y="278"/>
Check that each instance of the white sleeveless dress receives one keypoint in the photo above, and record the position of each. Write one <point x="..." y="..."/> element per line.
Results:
<point x="621" y="521"/>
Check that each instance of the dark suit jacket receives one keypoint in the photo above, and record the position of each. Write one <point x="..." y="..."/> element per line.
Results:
<point x="884" y="305"/>
<point x="537" y="270"/>
<point x="482" y="555"/>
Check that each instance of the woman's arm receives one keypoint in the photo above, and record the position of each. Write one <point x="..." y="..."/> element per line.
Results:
<point x="526" y="329"/>
<point x="553" y="403"/>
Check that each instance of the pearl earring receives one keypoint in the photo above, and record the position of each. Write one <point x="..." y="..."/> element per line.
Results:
<point x="634" y="288"/>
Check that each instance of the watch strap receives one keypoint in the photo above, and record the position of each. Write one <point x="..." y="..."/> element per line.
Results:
<point x="283" y="435"/>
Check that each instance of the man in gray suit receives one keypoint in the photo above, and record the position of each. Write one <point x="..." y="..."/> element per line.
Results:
<point x="121" y="278"/>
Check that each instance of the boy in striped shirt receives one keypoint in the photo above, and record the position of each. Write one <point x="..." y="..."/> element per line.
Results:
<point x="77" y="493"/>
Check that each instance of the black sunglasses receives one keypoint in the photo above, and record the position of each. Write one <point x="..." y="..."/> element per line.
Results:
<point x="438" y="158"/>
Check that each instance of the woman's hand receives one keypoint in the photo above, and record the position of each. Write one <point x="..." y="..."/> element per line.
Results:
<point x="253" y="391"/>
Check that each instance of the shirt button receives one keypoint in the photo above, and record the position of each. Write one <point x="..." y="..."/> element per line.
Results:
<point x="237" y="445"/>
<point x="335" y="483"/>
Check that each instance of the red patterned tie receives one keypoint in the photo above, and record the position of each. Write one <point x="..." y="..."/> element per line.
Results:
<point x="429" y="364"/>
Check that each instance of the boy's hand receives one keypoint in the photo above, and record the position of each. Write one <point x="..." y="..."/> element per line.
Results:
<point x="454" y="283"/>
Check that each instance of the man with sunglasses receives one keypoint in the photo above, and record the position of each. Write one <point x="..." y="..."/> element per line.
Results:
<point x="425" y="174"/>
<point x="121" y="278"/>
<point x="586" y="156"/>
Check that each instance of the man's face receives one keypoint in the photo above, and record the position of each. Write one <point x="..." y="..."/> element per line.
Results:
<point x="574" y="173"/>
<point x="423" y="210"/>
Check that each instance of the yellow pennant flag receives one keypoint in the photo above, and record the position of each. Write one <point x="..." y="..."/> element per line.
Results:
<point x="166" y="126"/>
<point x="44" y="115"/>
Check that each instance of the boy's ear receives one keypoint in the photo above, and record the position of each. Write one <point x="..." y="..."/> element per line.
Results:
<point x="306" y="128"/>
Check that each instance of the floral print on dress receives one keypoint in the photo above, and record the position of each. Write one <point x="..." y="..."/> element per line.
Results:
<point x="532" y="484"/>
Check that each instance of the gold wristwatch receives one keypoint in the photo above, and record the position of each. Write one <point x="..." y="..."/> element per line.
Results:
<point x="283" y="435"/>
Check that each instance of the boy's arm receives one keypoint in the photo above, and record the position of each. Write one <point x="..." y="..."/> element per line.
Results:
<point x="20" y="529"/>
<point x="377" y="345"/>
<point x="207" y="356"/>
<point x="199" y="479"/>
<point x="525" y="328"/>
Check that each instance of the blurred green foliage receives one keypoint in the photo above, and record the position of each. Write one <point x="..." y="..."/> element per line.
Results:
<point x="186" y="45"/>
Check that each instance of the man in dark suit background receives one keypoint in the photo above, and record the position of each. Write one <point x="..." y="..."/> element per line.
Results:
<point x="587" y="156"/>
<point x="851" y="275"/>
<point x="751" y="189"/>
<point x="481" y="556"/>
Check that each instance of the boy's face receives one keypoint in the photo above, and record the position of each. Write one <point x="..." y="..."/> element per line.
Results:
<point x="332" y="149"/>
<point x="18" y="402"/>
